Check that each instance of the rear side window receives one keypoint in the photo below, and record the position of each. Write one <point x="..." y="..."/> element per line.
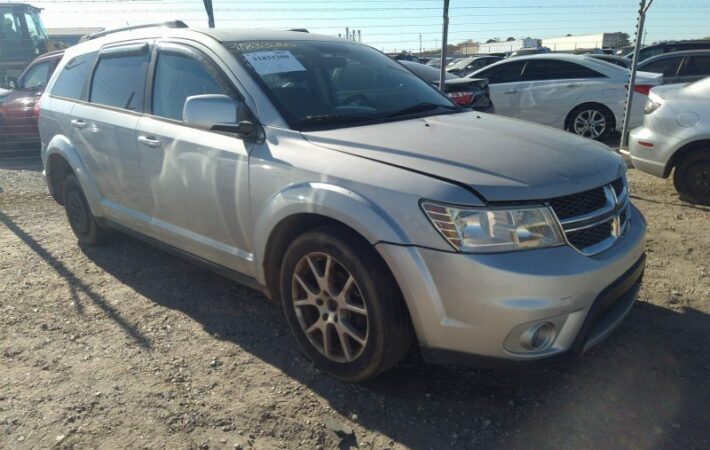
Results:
<point x="119" y="80"/>
<point x="667" y="66"/>
<point x="71" y="80"/>
<point x="550" y="69"/>
<point x="503" y="73"/>
<point x="698" y="65"/>
<point x="178" y="77"/>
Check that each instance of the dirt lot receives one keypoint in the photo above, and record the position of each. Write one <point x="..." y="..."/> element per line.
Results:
<point x="126" y="346"/>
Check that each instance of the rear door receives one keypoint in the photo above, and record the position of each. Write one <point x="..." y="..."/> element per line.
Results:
<point x="552" y="88"/>
<point x="504" y="82"/>
<point x="104" y="127"/>
<point x="694" y="68"/>
<point x="196" y="181"/>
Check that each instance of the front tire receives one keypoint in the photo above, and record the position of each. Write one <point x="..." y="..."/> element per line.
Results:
<point x="343" y="306"/>
<point x="590" y="121"/>
<point x="692" y="177"/>
<point x="81" y="219"/>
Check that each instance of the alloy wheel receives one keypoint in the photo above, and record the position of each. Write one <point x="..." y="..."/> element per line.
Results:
<point x="589" y="123"/>
<point x="330" y="307"/>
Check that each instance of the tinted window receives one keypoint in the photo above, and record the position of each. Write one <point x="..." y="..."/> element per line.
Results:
<point x="667" y="66"/>
<point x="503" y="73"/>
<point x="36" y="76"/>
<point x="698" y="65"/>
<point x="119" y="81"/>
<point x="71" y="80"/>
<point x="550" y="69"/>
<point x="178" y="77"/>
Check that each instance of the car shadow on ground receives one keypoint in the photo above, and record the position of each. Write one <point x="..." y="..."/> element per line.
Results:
<point x="643" y="388"/>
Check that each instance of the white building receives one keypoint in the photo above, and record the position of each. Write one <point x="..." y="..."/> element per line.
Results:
<point x="507" y="46"/>
<point x="583" y="42"/>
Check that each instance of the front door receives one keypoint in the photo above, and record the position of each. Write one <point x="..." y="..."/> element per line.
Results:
<point x="197" y="181"/>
<point x="504" y="84"/>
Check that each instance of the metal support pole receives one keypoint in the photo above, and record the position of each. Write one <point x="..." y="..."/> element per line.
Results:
<point x="210" y="12"/>
<point x="444" y="39"/>
<point x="643" y="8"/>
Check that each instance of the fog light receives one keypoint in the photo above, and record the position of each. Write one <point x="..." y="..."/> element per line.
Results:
<point x="538" y="337"/>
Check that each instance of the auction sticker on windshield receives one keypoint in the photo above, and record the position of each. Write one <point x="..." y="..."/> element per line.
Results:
<point x="281" y="61"/>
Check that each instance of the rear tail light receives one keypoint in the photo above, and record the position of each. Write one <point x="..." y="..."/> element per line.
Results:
<point x="461" y="98"/>
<point x="35" y="112"/>
<point x="650" y="106"/>
<point x="643" y="89"/>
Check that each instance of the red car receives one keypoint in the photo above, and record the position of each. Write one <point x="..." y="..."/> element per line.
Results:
<point x="19" y="106"/>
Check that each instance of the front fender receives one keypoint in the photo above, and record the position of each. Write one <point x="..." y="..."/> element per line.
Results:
<point x="60" y="146"/>
<point x="334" y="202"/>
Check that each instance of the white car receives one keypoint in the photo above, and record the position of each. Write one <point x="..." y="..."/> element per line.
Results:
<point x="574" y="92"/>
<point x="676" y="134"/>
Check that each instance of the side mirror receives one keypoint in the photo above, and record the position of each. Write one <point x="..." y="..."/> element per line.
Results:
<point x="9" y="82"/>
<point x="218" y="113"/>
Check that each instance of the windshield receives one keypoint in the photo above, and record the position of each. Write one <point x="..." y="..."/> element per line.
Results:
<point x="461" y="64"/>
<point x="317" y="84"/>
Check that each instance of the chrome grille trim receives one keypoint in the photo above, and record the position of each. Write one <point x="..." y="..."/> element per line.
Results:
<point x="616" y="211"/>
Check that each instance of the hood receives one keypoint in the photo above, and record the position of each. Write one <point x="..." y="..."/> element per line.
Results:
<point x="502" y="159"/>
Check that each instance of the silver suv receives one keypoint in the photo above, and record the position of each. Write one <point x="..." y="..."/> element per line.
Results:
<point x="380" y="214"/>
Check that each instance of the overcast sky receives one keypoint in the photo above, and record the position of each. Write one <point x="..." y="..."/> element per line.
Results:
<point x="396" y="24"/>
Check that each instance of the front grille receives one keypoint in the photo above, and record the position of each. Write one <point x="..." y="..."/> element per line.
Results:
<point x="588" y="237"/>
<point x="593" y="217"/>
<point x="579" y="204"/>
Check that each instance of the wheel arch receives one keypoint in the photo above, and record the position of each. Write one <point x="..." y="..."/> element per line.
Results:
<point x="683" y="150"/>
<point x="308" y="206"/>
<point x="61" y="158"/>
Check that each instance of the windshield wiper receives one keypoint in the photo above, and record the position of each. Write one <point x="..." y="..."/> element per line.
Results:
<point x="421" y="107"/>
<point x="324" y="119"/>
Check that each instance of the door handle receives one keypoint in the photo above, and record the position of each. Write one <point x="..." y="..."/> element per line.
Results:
<point x="512" y="91"/>
<point x="149" y="141"/>
<point x="574" y="85"/>
<point x="80" y="124"/>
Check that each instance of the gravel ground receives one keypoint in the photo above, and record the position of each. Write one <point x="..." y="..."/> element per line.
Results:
<point x="126" y="346"/>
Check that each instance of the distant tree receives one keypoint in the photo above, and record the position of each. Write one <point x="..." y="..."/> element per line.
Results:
<point x="624" y="40"/>
<point x="489" y="41"/>
<point x="568" y="34"/>
<point x="510" y="39"/>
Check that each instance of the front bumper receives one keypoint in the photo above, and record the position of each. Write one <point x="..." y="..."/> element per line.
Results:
<point x="469" y="308"/>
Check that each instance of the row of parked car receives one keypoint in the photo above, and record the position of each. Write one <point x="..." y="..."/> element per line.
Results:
<point x="583" y="94"/>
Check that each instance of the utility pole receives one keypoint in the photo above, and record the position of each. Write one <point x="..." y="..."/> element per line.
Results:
<point x="444" y="39"/>
<point x="643" y="9"/>
<point x="347" y="33"/>
<point x="210" y="12"/>
<point x="420" y="44"/>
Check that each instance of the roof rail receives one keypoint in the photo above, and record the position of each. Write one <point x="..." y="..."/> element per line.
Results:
<point x="169" y="24"/>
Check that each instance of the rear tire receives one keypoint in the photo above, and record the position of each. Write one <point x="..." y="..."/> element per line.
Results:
<point x="692" y="177"/>
<point x="81" y="219"/>
<point x="592" y="121"/>
<point x="343" y="305"/>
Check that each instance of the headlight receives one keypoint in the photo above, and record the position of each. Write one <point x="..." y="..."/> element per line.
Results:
<point x="651" y="106"/>
<point x="483" y="230"/>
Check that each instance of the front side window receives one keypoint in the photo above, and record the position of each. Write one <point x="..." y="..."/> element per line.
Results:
<point x="318" y="84"/>
<point x="39" y="43"/>
<point x="36" y="76"/>
<point x="550" y="69"/>
<point x="667" y="66"/>
<point x="508" y="72"/>
<point x="119" y="80"/>
<point x="70" y="82"/>
<point x="178" y="77"/>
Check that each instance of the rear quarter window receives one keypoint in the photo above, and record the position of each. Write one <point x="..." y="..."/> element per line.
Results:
<point x="71" y="80"/>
